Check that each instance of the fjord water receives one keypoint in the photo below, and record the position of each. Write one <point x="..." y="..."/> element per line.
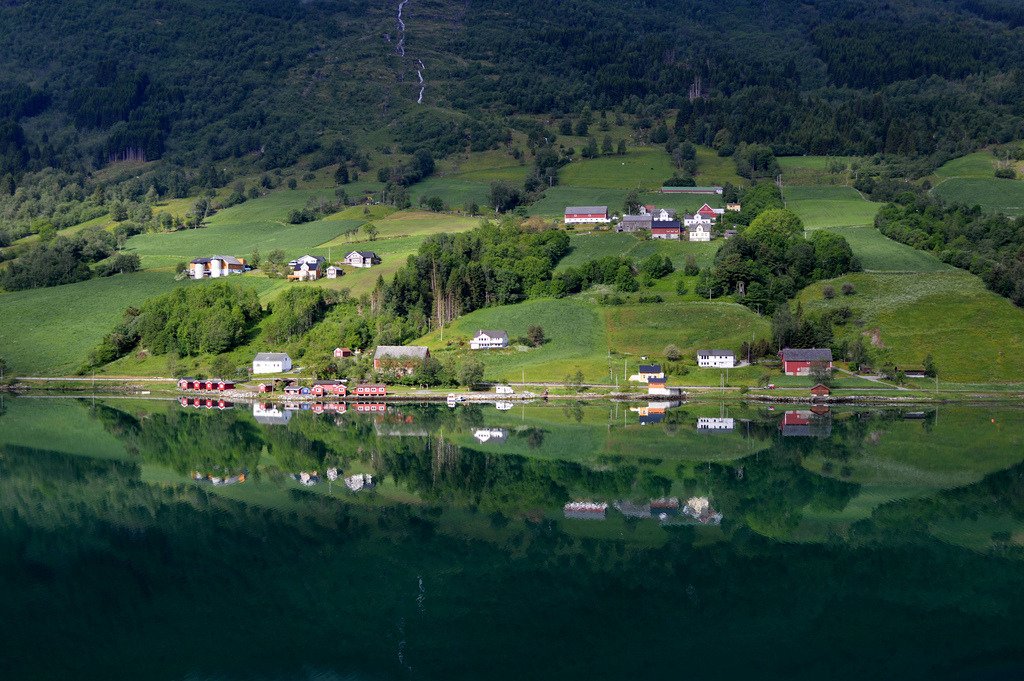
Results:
<point x="853" y="543"/>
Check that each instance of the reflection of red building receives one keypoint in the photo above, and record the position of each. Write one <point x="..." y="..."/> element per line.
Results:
<point x="322" y="407"/>
<point x="205" y="402"/>
<point x="371" y="389"/>
<point x="796" y="418"/>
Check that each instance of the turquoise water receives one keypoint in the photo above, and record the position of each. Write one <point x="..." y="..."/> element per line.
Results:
<point x="848" y="544"/>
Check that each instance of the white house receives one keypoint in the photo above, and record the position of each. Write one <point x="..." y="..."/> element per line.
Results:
<point x="362" y="259"/>
<point x="333" y="272"/>
<point x="308" y="267"/>
<point x="699" y="232"/>
<point x="718" y="359"/>
<point x="658" y="214"/>
<point x="503" y="389"/>
<point x="489" y="340"/>
<point x="584" y="215"/>
<point x="706" y="423"/>
<point x="657" y="386"/>
<point x="271" y="363"/>
<point x="647" y="372"/>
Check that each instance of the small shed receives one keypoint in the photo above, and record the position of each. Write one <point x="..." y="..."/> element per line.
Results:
<point x="821" y="390"/>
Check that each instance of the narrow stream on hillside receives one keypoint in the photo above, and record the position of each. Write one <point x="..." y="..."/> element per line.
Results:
<point x="400" y="49"/>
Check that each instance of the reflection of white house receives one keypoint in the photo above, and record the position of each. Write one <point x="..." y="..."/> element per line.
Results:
<point x="359" y="481"/>
<point x="503" y="406"/>
<point x="709" y="423"/>
<point x="488" y="340"/>
<point x="270" y="414"/>
<point x="362" y="259"/>
<point x="490" y="435"/>
<point x="271" y="363"/>
<point x="719" y="359"/>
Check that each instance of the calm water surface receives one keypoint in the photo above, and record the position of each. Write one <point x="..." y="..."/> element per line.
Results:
<point x="152" y="540"/>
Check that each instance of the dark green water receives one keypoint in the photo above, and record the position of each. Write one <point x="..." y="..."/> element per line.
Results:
<point x="860" y="543"/>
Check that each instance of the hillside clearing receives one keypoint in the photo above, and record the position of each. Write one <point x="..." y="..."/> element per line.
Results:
<point x="830" y="206"/>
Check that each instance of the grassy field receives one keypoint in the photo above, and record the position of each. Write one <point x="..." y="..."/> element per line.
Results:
<point x="791" y="163"/>
<point x="713" y="169"/>
<point x="593" y="245"/>
<point x="879" y="253"/>
<point x="454" y="191"/>
<point x="830" y="206"/>
<point x="598" y="340"/>
<point x="1004" y="196"/>
<point x="644" y="168"/>
<point x="972" y="334"/>
<point x="971" y="180"/>
<point x="50" y="331"/>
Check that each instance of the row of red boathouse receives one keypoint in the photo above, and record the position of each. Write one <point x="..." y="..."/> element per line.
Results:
<point x="318" y="389"/>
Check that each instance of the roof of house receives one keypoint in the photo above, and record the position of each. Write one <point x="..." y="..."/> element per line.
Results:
<point x="656" y="381"/>
<point x="669" y="211"/>
<point x="806" y="355"/>
<point x="493" y="333"/>
<point x="645" y="219"/>
<point x="229" y="259"/>
<point x="327" y="382"/>
<point x="665" y="224"/>
<point x="715" y="353"/>
<point x="401" y="352"/>
<point x="650" y="368"/>
<point x="575" y="210"/>
<point x="308" y="259"/>
<point x="364" y="254"/>
<point x="364" y="386"/>
<point x="821" y="386"/>
<point x="272" y="357"/>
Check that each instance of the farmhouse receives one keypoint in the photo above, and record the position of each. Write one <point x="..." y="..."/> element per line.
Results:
<point x="634" y="223"/>
<point x="271" y="363"/>
<point x="803" y="361"/>
<point x="362" y="259"/>
<point x="647" y="372"/>
<point x="400" y="358"/>
<point x="487" y="340"/>
<point x="733" y="207"/>
<point x="342" y="353"/>
<point x="665" y="229"/>
<point x="699" y="232"/>
<point x="306" y="268"/>
<point x="333" y="272"/>
<point x="719" y="359"/>
<point x="586" y="215"/>
<point x="334" y="388"/>
<point x="503" y="390"/>
<point x="215" y="267"/>
<point x="658" y="214"/>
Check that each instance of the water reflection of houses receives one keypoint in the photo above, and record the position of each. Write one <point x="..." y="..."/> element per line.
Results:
<point x="653" y="412"/>
<point x="585" y="510"/>
<point x="708" y="424"/>
<point x="205" y="403"/>
<point x="503" y="406"/>
<point x="398" y="424"/>
<point x="668" y="511"/>
<point x="218" y="480"/>
<point x="359" y="481"/>
<point x="815" y="422"/>
<point x="484" y="435"/>
<point x="270" y="414"/>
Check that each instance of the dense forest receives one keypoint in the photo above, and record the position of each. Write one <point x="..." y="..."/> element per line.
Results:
<point x="196" y="82"/>
<point x="990" y="246"/>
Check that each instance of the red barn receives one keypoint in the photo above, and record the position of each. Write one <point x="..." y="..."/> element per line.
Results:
<point x="582" y="215"/>
<point x="821" y="390"/>
<point x="185" y="383"/>
<point x="708" y="212"/>
<point x="371" y="389"/>
<point x="665" y="229"/>
<point x="803" y="361"/>
<point x="225" y="385"/>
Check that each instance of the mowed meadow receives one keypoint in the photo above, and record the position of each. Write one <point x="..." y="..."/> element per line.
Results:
<point x="971" y="180"/>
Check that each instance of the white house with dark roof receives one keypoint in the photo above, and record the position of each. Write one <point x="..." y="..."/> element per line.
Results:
<point x="306" y="268"/>
<point x="586" y="215"/>
<point x="362" y="259"/>
<point x="718" y="359"/>
<point x="271" y="363"/>
<point x="489" y="340"/>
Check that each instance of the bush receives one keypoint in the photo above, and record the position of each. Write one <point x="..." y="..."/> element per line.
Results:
<point x="828" y="293"/>
<point x="1007" y="173"/>
<point x="672" y="353"/>
<point x="848" y="289"/>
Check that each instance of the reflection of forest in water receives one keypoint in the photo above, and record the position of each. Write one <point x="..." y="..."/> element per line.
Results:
<point x="461" y="559"/>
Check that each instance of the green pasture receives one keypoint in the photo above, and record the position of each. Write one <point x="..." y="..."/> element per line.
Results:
<point x="972" y="334"/>
<point x="790" y="163"/>
<point x="879" y="253"/>
<point x="981" y="164"/>
<point x="830" y="206"/>
<point x="50" y="331"/>
<point x="593" y="245"/>
<point x="453" y="190"/>
<point x="992" y="194"/>
<point x="713" y="169"/>
<point x="641" y="168"/>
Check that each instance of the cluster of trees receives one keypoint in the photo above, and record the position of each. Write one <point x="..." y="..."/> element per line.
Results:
<point x="452" y="274"/>
<point x="771" y="260"/>
<point x="191" y="320"/>
<point x="65" y="259"/>
<point x="990" y="246"/>
<point x="296" y="311"/>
